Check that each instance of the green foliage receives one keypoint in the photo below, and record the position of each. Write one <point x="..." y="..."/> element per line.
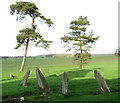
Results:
<point x="77" y="37"/>
<point x="81" y="21"/>
<point x="30" y="34"/>
<point x="86" y="56"/>
<point x="23" y="9"/>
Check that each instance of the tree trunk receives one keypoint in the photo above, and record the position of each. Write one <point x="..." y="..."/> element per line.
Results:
<point x="81" y="55"/>
<point x="80" y="64"/>
<point x="24" y="57"/>
<point x="81" y="59"/>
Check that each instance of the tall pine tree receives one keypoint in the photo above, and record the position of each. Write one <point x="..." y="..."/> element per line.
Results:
<point x="78" y="40"/>
<point x="24" y="9"/>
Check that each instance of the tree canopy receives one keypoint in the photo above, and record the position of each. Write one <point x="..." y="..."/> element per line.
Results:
<point x="22" y="9"/>
<point x="30" y="34"/>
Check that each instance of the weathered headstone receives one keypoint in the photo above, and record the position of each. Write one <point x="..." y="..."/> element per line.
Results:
<point x="30" y="73"/>
<point x="24" y="81"/>
<point x="12" y="76"/>
<point x="65" y="84"/>
<point x="101" y="82"/>
<point x="42" y="84"/>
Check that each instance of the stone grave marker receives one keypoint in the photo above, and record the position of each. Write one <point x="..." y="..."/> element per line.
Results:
<point x="101" y="82"/>
<point x="30" y="73"/>
<point x="24" y="81"/>
<point x="42" y="84"/>
<point x="65" y="84"/>
<point x="12" y="76"/>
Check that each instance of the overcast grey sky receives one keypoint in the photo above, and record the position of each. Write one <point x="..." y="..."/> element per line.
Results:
<point x="102" y="14"/>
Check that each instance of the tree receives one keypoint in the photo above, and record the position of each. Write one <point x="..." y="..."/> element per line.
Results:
<point x="77" y="38"/>
<point x="24" y="9"/>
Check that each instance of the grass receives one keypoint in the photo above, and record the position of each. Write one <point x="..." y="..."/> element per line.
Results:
<point x="82" y="84"/>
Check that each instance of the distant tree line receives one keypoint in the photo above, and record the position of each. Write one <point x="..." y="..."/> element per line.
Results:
<point x="63" y="55"/>
<point x="42" y="56"/>
<point x="47" y="55"/>
<point x="5" y="57"/>
<point x="55" y="56"/>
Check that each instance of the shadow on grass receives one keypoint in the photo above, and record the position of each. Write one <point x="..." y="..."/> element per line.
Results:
<point x="79" y="89"/>
<point x="5" y="79"/>
<point x="97" y="68"/>
<point x="76" y="74"/>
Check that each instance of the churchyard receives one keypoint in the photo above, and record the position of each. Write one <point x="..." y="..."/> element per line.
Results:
<point x="62" y="79"/>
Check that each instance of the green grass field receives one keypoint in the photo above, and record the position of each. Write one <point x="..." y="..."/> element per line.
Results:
<point x="82" y="83"/>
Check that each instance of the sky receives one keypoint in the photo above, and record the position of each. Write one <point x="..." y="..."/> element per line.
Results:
<point x="102" y="14"/>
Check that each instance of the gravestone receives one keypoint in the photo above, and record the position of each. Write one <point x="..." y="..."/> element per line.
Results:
<point x="65" y="84"/>
<point x="30" y="73"/>
<point x="42" y="84"/>
<point x="24" y="81"/>
<point x="12" y="76"/>
<point x="101" y="82"/>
